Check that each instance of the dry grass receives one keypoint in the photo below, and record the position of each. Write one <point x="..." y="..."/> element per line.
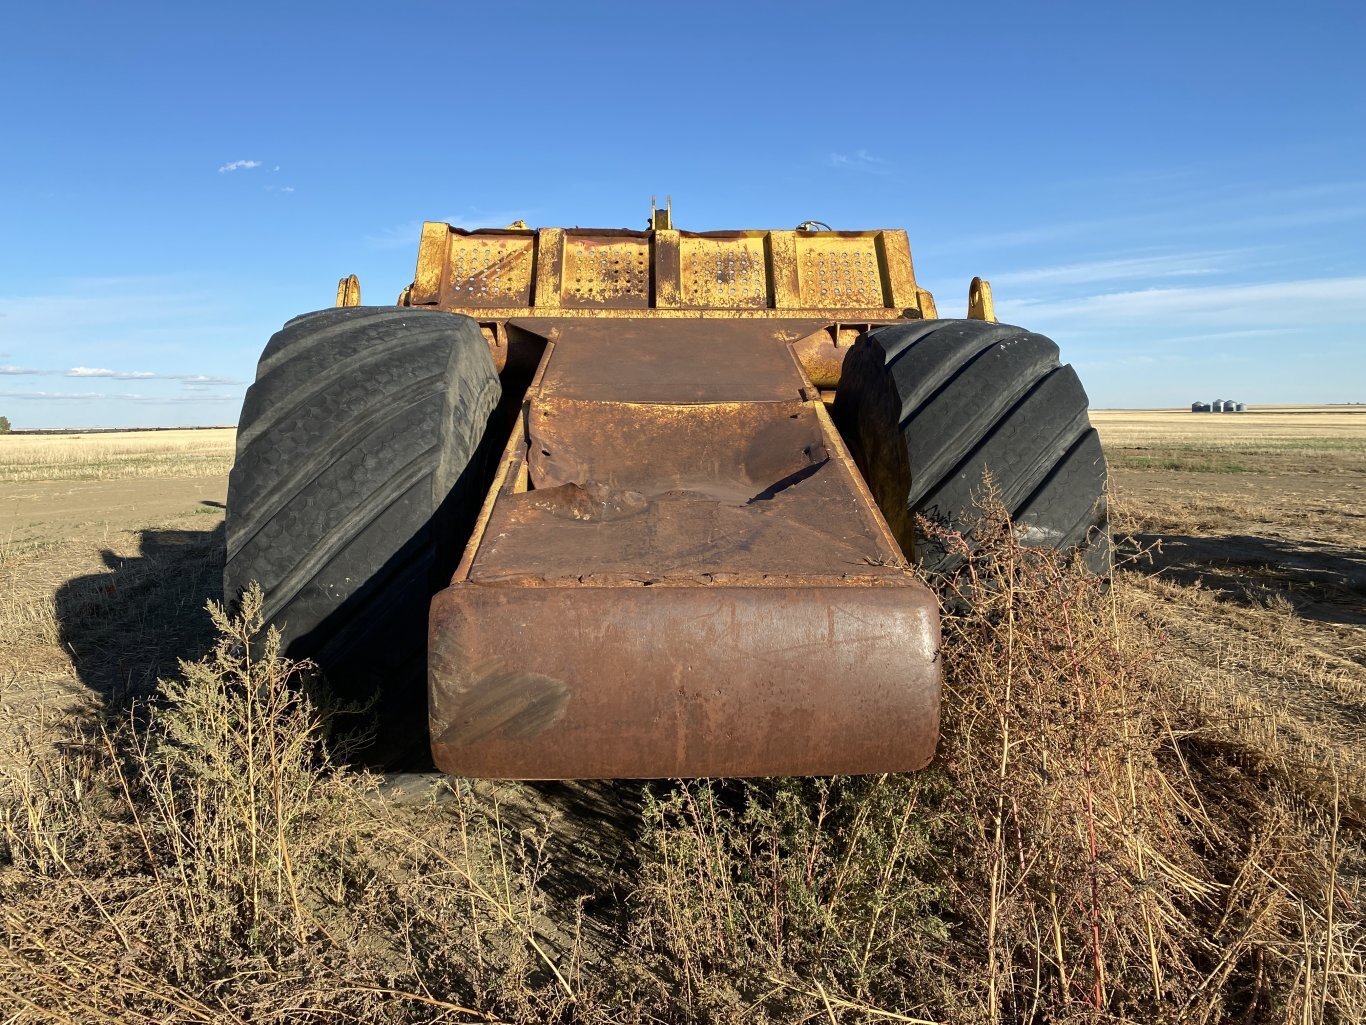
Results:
<point x="1089" y="847"/>
<point x="1148" y="806"/>
<point x="1236" y="442"/>
<point x="208" y="863"/>
<point x="116" y="456"/>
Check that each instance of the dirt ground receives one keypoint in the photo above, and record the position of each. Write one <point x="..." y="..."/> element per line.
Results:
<point x="1240" y="583"/>
<point x="1244" y="539"/>
<point x="103" y="585"/>
<point x="1243" y="535"/>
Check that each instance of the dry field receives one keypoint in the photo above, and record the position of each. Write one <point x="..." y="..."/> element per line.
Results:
<point x="123" y="455"/>
<point x="1149" y="803"/>
<point x="1248" y="545"/>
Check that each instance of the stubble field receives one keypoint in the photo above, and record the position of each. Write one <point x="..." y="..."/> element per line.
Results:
<point x="1149" y="803"/>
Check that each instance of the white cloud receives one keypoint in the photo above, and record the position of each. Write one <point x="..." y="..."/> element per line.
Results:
<point x="242" y="165"/>
<point x="189" y="380"/>
<point x="117" y="375"/>
<point x="860" y="160"/>
<point x="201" y="380"/>
<point x="62" y="395"/>
<point x="72" y="396"/>
<point x="198" y="399"/>
<point x="9" y="369"/>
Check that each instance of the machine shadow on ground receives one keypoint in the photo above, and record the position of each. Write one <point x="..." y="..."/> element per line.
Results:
<point x="130" y="625"/>
<point x="1322" y="582"/>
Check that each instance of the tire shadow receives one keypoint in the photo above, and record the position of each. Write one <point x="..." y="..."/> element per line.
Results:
<point x="1322" y="582"/>
<point x="128" y="626"/>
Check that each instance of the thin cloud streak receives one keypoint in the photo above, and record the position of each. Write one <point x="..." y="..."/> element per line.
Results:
<point x="147" y="375"/>
<point x="118" y="375"/>
<point x="87" y="373"/>
<point x="1172" y="265"/>
<point x="72" y="396"/>
<point x="54" y="395"/>
<point x="1226" y="304"/>
<point x="239" y="165"/>
<point x="1209" y="213"/>
<point x="859" y="160"/>
<point x="402" y="236"/>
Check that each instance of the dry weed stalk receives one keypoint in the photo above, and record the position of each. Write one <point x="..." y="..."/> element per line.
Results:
<point x="1091" y="846"/>
<point x="206" y="861"/>
<point x="1080" y="851"/>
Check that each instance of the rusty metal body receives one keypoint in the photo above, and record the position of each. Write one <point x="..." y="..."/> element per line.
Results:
<point x="678" y="570"/>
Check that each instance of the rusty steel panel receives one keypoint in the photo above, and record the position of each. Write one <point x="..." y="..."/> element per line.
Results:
<point x="822" y="352"/>
<point x="679" y="571"/>
<point x="636" y="682"/>
<point x="678" y="361"/>
<point x="642" y="493"/>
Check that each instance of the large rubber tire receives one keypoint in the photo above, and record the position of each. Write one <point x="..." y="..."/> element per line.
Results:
<point x="358" y="478"/>
<point x="926" y="407"/>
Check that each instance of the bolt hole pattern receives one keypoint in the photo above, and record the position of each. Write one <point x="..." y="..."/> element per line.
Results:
<point x="491" y="272"/>
<point x="597" y="272"/>
<point x="840" y="276"/>
<point x="729" y="273"/>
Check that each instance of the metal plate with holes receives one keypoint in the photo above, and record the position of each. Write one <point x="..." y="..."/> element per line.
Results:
<point x="839" y="272"/>
<point x="491" y="271"/>
<point x="606" y="272"/>
<point x="724" y="272"/>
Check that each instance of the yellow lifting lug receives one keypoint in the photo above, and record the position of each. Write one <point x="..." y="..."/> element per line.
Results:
<point x="980" y="306"/>
<point x="348" y="291"/>
<point x="662" y="220"/>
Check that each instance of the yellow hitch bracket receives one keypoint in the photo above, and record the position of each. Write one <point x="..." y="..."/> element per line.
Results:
<point x="348" y="291"/>
<point x="662" y="220"/>
<point x="980" y="306"/>
<point x="925" y="301"/>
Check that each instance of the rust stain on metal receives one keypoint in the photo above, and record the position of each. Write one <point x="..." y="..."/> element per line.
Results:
<point x="690" y="681"/>
<point x="483" y="699"/>
<point x="592" y="501"/>
<point x="679" y="570"/>
<point x="680" y="573"/>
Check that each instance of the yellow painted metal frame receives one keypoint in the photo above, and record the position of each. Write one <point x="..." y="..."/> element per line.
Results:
<point x="980" y="306"/>
<point x="500" y="274"/>
<point x="348" y="291"/>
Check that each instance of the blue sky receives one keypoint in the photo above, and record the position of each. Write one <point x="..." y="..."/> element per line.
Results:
<point x="1175" y="192"/>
